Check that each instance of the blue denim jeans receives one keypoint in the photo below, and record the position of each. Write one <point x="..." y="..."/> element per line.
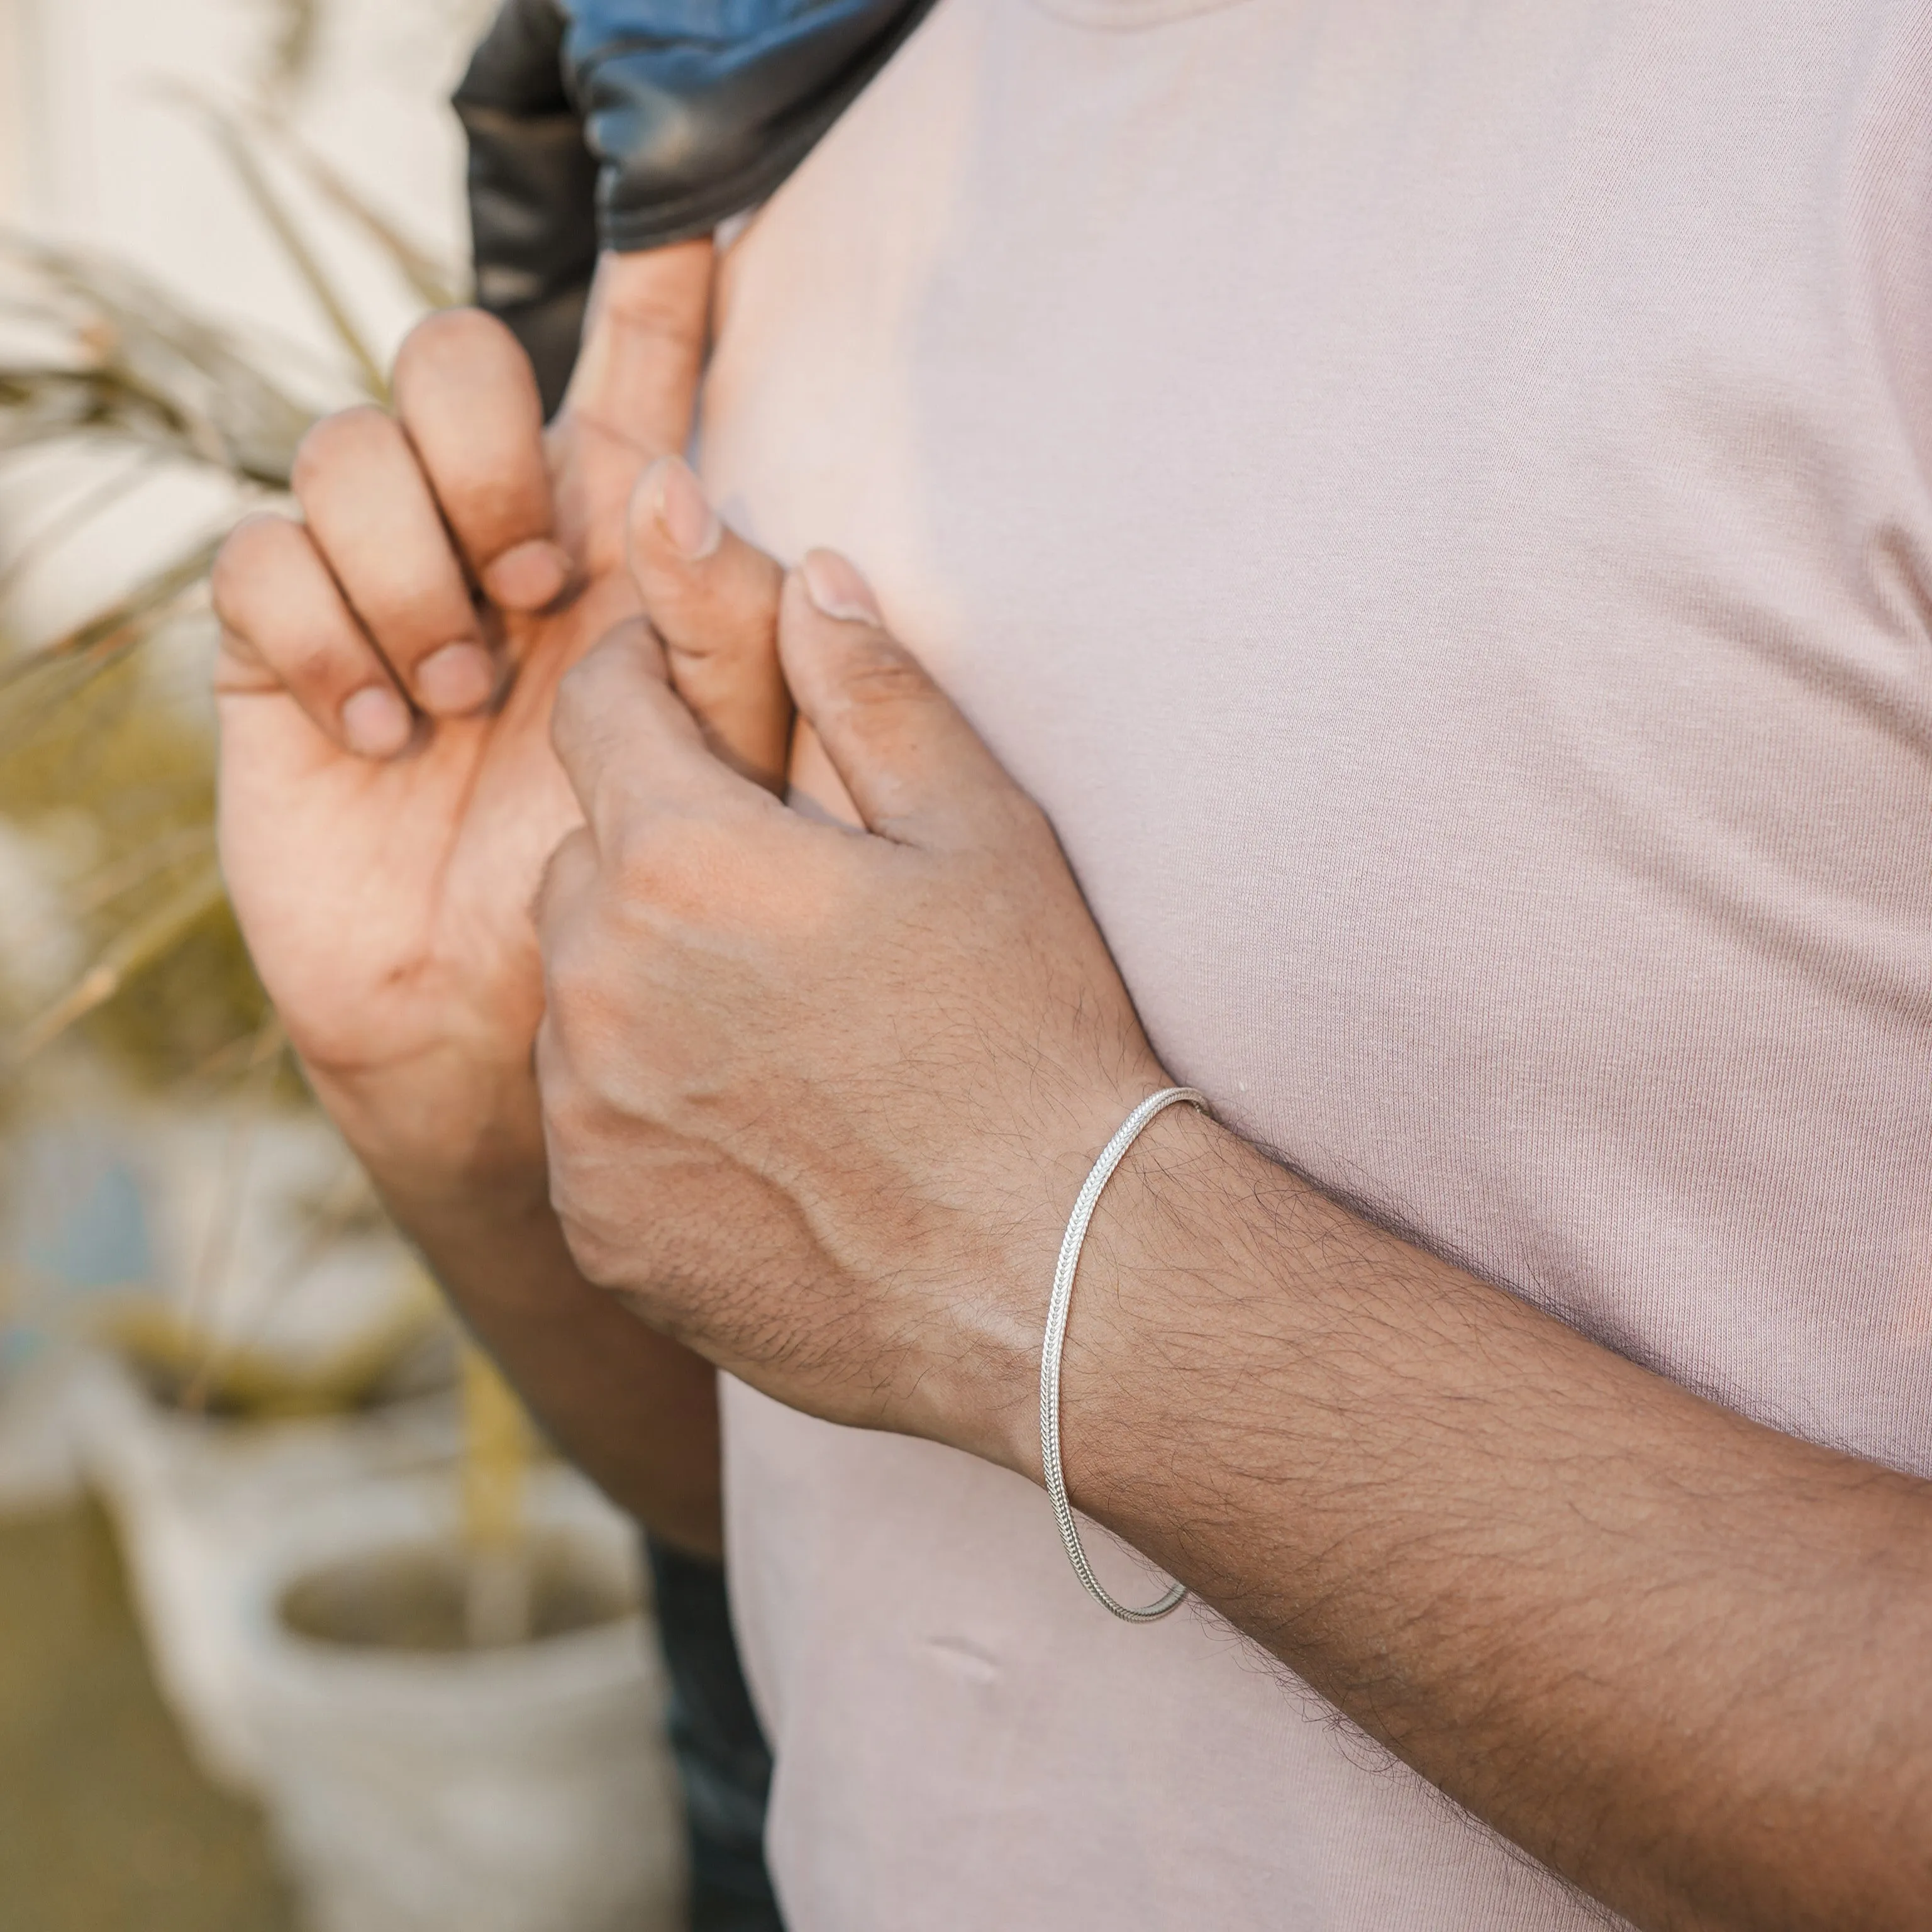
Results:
<point x="722" y="1759"/>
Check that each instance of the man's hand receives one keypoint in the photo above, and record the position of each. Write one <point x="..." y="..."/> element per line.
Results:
<point x="389" y="796"/>
<point x="813" y="1097"/>
<point x="388" y="793"/>
<point x="818" y="1101"/>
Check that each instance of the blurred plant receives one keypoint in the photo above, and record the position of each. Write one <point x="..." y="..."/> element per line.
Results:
<point x="106" y="747"/>
<point x="294" y="32"/>
<point x="99" y="766"/>
<point x="110" y="772"/>
<point x="297" y="35"/>
<point x="500" y="1581"/>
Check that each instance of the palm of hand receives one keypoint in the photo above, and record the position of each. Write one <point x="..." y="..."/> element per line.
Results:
<point x="387" y="903"/>
<point x="387" y="900"/>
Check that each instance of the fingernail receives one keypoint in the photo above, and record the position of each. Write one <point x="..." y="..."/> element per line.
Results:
<point x="836" y="587"/>
<point x="684" y="514"/>
<point x="527" y="576"/>
<point x="375" y="722"/>
<point x="455" y="680"/>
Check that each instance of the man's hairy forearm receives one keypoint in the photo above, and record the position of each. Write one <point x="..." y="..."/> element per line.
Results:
<point x="634" y="1410"/>
<point x="1679" y="1657"/>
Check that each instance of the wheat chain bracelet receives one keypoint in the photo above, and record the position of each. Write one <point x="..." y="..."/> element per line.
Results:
<point x="1112" y="1156"/>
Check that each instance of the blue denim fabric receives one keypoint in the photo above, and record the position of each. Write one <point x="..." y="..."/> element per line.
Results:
<point x="630" y="124"/>
<point x="720" y="1751"/>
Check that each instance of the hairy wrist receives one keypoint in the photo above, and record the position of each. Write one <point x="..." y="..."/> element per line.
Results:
<point x="1142" y="1228"/>
<point x="1154" y="1362"/>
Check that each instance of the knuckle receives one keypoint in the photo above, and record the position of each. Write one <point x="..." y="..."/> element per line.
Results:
<point x="877" y="673"/>
<point x="661" y="292"/>
<point x="319" y="669"/>
<point x="457" y="332"/>
<point x="465" y="393"/>
<point x="647" y="867"/>
<point x="253" y="551"/>
<point x="343" y="442"/>
<point x="599" y="1259"/>
<point x="1020" y="822"/>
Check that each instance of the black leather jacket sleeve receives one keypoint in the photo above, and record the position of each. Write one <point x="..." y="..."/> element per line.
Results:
<point x="630" y="124"/>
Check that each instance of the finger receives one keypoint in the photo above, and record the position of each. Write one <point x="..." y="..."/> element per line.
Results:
<point x="812" y="783"/>
<point x="631" y="749"/>
<point x="917" y="771"/>
<point x="713" y="599"/>
<point x="467" y="399"/>
<point x="644" y="337"/>
<point x="285" y="626"/>
<point x="569" y="876"/>
<point x="368" y="506"/>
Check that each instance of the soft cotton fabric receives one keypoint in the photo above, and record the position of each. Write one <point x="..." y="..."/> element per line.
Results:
<point x="1433" y="500"/>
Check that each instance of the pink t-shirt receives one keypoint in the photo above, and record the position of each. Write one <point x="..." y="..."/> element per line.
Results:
<point x="1433" y="500"/>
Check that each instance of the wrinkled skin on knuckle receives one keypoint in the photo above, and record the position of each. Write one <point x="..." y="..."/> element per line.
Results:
<point x="464" y="333"/>
<point x="339" y="443"/>
<point x="874" y="674"/>
<point x="248" y="554"/>
<point x="882" y="693"/>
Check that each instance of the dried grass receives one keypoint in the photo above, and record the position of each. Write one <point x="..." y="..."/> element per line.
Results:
<point x="102" y="357"/>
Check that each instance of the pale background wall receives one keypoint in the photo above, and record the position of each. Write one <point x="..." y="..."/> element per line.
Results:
<point x="94" y="155"/>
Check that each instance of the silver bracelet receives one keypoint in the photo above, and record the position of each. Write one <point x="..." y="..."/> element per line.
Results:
<point x="1111" y="1155"/>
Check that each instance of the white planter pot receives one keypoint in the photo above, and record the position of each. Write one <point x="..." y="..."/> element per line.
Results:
<point x="43" y="1408"/>
<point x="195" y="1500"/>
<point x="527" y="1789"/>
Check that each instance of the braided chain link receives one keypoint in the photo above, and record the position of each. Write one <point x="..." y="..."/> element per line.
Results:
<point x="1111" y="1155"/>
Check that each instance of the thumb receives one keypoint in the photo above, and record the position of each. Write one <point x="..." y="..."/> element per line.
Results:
<point x="918" y="772"/>
<point x="644" y="339"/>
